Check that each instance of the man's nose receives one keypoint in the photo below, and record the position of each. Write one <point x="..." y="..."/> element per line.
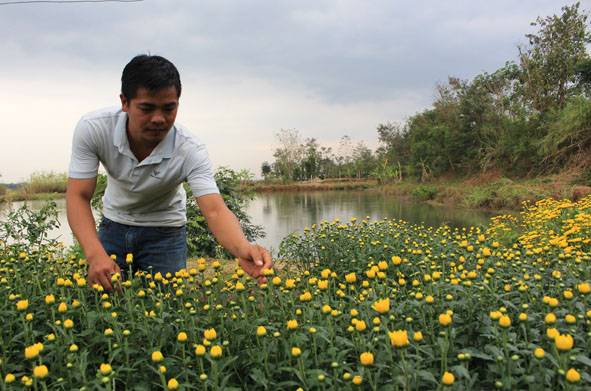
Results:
<point x="158" y="118"/>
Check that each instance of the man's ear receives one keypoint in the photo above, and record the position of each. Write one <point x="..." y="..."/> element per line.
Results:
<point x="124" y="103"/>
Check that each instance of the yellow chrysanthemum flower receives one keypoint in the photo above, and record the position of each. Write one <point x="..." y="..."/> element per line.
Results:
<point x="215" y="351"/>
<point x="564" y="342"/>
<point x="22" y="305"/>
<point x="573" y="376"/>
<point x="399" y="338"/>
<point x="40" y="371"/>
<point x="200" y="350"/>
<point x="505" y="321"/>
<point x="106" y="369"/>
<point x="157" y="356"/>
<point x="382" y="306"/>
<point x="444" y="319"/>
<point x="448" y="378"/>
<point x="366" y="359"/>
<point x="210" y="334"/>
<point x="173" y="384"/>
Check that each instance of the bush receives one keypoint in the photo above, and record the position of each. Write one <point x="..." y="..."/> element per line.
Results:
<point x="424" y="193"/>
<point x="200" y="240"/>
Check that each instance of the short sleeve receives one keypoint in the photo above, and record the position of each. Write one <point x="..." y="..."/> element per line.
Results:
<point x="84" y="161"/>
<point x="200" y="176"/>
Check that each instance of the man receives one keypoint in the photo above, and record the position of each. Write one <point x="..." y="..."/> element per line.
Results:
<point x="147" y="157"/>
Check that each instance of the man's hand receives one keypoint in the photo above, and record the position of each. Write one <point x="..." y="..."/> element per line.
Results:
<point x="100" y="271"/>
<point x="225" y="227"/>
<point x="100" y="265"/>
<point x="254" y="259"/>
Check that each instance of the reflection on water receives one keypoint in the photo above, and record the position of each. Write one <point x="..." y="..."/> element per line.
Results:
<point x="285" y="213"/>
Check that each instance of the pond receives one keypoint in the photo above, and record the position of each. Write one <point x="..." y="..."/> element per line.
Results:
<point x="285" y="213"/>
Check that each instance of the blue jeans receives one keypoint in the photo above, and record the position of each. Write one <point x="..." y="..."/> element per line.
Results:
<point x="154" y="249"/>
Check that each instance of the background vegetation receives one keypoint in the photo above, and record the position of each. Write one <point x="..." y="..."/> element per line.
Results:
<point x="529" y="118"/>
<point x="39" y="183"/>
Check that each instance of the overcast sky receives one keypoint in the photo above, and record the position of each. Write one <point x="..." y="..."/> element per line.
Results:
<point x="248" y="68"/>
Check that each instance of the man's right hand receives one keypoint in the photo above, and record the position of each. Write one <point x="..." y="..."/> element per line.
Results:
<point x="100" y="271"/>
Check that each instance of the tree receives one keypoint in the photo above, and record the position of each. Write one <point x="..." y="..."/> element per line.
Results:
<point x="583" y="71"/>
<point x="394" y="142"/>
<point x="344" y="157"/>
<point x="288" y="154"/>
<point x="266" y="170"/>
<point x="548" y="64"/>
<point x="311" y="159"/>
<point x="364" y="161"/>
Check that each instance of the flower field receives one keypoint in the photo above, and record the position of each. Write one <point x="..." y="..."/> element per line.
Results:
<point x="362" y="305"/>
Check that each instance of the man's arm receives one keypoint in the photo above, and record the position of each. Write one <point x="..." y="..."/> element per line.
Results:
<point x="100" y="265"/>
<point x="225" y="227"/>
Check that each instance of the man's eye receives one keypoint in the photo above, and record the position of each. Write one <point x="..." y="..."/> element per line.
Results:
<point x="145" y="109"/>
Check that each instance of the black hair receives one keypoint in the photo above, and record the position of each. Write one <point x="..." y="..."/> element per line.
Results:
<point x="150" y="72"/>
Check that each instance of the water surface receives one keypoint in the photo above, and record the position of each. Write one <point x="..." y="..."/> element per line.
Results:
<point x="285" y="213"/>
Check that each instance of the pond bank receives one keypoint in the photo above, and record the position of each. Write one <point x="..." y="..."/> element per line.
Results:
<point x="12" y="196"/>
<point x="485" y="191"/>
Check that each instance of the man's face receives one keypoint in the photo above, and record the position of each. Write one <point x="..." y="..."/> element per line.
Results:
<point x="150" y="115"/>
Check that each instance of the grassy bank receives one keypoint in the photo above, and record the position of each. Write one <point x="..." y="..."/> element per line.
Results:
<point x="39" y="186"/>
<point x="12" y="196"/>
<point x="317" y="184"/>
<point x="491" y="191"/>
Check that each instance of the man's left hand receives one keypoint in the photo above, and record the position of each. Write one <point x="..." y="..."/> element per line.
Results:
<point x="254" y="259"/>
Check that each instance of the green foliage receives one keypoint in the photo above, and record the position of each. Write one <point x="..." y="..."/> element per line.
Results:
<point x="266" y="169"/>
<point x="549" y="63"/>
<point x="3" y="190"/>
<point x="424" y="193"/>
<point x="521" y="119"/>
<point x="24" y="227"/>
<point x="99" y="191"/>
<point x="394" y="142"/>
<point x="385" y="173"/>
<point x="568" y="134"/>
<point x="200" y="240"/>
<point x="583" y="71"/>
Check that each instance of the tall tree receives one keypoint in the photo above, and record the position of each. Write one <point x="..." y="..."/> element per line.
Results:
<point x="548" y="64"/>
<point x="265" y="170"/>
<point x="394" y="141"/>
<point x="288" y="154"/>
<point x="311" y="159"/>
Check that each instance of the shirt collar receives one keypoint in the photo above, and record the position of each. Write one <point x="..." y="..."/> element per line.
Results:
<point x="162" y="151"/>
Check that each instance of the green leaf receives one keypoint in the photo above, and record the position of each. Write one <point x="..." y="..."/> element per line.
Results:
<point x="426" y="375"/>
<point x="583" y="360"/>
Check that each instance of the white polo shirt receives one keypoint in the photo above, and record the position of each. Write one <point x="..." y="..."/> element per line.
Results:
<point x="146" y="193"/>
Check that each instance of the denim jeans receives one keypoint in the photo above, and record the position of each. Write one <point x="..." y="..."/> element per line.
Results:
<point x="154" y="249"/>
